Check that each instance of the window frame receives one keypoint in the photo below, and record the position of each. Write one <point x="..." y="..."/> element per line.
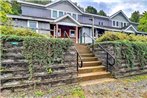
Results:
<point x="70" y="33"/>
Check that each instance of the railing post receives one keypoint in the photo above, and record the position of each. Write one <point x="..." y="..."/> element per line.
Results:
<point x="107" y="62"/>
<point x="77" y="61"/>
<point x="84" y="38"/>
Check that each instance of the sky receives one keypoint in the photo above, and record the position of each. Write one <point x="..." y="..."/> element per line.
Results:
<point x="112" y="6"/>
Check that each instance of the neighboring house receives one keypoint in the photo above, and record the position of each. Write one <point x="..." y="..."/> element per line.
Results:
<point x="65" y="16"/>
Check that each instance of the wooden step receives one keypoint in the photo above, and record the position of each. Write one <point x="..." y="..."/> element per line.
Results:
<point x="87" y="55"/>
<point x="97" y="81"/>
<point x="89" y="58"/>
<point x="93" y="76"/>
<point x="91" y="63"/>
<point x="91" y="69"/>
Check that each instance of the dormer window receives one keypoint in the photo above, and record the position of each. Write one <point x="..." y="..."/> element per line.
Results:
<point x="61" y="13"/>
<point x="54" y="14"/>
<point x="113" y="23"/>
<point x="74" y="16"/>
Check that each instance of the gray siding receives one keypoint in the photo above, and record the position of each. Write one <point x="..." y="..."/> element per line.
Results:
<point x="20" y="23"/>
<point x="64" y="6"/>
<point x="85" y="19"/>
<point x="120" y="17"/>
<point x="35" y="11"/>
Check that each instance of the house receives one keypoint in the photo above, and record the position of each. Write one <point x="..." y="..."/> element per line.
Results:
<point x="63" y="16"/>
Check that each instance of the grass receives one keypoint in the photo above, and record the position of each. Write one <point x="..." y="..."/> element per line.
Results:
<point x="39" y="93"/>
<point x="136" y="78"/>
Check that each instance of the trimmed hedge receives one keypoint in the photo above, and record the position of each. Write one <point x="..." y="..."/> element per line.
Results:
<point x="117" y="36"/>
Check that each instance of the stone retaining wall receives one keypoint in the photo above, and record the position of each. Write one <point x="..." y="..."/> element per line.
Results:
<point x="120" y="69"/>
<point x="15" y="72"/>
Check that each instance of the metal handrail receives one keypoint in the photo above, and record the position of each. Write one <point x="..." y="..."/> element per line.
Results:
<point x="78" y="55"/>
<point x="108" y="54"/>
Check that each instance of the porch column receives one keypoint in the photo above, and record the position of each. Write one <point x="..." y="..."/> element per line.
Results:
<point x="56" y="30"/>
<point x="76" y="34"/>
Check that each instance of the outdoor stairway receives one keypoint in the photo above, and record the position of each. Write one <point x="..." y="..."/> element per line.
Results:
<point x="92" y="72"/>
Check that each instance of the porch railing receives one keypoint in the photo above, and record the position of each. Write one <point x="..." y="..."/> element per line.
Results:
<point x="108" y="55"/>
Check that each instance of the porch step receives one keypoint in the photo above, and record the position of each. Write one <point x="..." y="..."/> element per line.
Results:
<point x="89" y="58"/>
<point x="91" y="69"/>
<point x="87" y="55"/>
<point x="97" y="81"/>
<point x="93" y="76"/>
<point x="91" y="63"/>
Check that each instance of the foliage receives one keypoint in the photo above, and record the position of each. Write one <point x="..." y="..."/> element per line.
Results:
<point x="39" y="93"/>
<point x="116" y="36"/>
<point x="132" y="51"/>
<point x="143" y="22"/>
<point x="4" y="10"/>
<point x="102" y="13"/>
<point x="16" y="7"/>
<point x="91" y="10"/>
<point x="135" y="16"/>
<point x="8" y="30"/>
<point x="45" y="51"/>
<point x="39" y="1"/>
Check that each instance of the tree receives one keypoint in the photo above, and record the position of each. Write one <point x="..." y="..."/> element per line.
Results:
<point x="143" y="22"/>
<point x="39" y="1"/>
<point x="135" y="16"/>
<point x="91" y="10"/>
<point x="16" y="7"/>
<point x="4" y="10"/>
<point x="102" y="13"/>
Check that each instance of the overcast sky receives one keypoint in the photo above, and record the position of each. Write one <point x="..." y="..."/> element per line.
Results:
<point x="112" y="6"/>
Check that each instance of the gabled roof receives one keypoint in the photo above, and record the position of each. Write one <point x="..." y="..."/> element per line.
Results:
<point x="29" y="3"/>
<point x="131" y="26"/>
<point x="67" y="1"/>
<point x="120" y="11"/>
<point x="67" y="16"/>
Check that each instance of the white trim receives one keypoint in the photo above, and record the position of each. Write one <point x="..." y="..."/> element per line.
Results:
<point x="96" y="15"/>
<point x="29" y="3"/>
<point x="130" y="27"/>
<point x="65" y="16"/>
<point x="70" y="33"/>
<point x="118" y="23"/>
<point x="29" y="18"/>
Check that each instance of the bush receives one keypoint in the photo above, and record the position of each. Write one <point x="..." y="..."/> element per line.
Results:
<point x="5" y="30"/>
<point x="117" y="36"/>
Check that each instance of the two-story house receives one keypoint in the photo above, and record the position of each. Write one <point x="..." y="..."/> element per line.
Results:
<point x="65" y="16"/>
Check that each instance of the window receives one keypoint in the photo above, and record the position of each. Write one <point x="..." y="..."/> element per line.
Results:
<point x="121" y="24"/>
<point x="117" y="23"/>
<point x="72" y="33"/>
<point x="113" y="23"/>
<point x="60" y="13"/>
<point x="102" y="23"/>
<point x="54" y="14"/>
<point x="32" y="24"/>
<point x="124" y="24"/>
<point x="74" y="16"/>
<point x="69" y="14"/>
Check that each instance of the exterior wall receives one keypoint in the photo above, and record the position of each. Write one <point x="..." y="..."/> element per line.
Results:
<point x="36" y="11"/>
<point x="45" y="26"/>
<point x="15" y="73"/>
<point x="120" y="17"/>
<point x="85" y="19"/>
<point x="135" y="25"/>
<point x="64" y="6"/>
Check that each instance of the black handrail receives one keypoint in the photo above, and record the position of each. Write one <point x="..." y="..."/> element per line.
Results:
<point x="77" y="52"/>
<point x="107" y="53"/>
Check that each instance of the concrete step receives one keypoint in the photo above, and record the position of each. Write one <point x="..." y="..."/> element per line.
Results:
<point x="91" y="69"/>
<point x="89" y="58"/>
<point x="91" y="63"/>
<point x="87" y="55"/>
<point x="97" y="81"/>
<point x="93" y="76"/>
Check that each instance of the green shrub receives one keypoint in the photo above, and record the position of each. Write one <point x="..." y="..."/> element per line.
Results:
<point x="116" y="36"/>
<point x="5" y="30"/>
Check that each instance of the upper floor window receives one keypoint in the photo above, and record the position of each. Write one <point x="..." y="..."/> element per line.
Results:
<point x="61" y="13"/>
<point x="113" y="23"/>
<point x="74" y="16"/>
<point x="117" y="24"/>
<point x="125" y="24"/>
<point x="54" y="14"/>
<point x="102" y="23"/>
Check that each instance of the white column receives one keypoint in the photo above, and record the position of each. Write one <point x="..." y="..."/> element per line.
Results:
<point x="76" y="34"/>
